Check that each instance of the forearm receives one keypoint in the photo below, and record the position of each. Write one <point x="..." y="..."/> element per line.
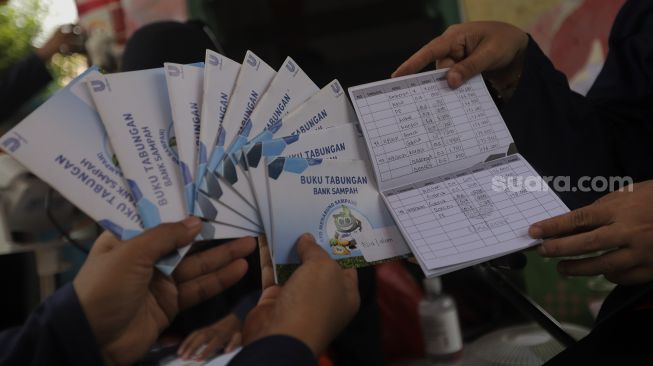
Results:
<point x="20" y="82"/>
<point x="560" y="132"/>
<point x="57" y="333"/>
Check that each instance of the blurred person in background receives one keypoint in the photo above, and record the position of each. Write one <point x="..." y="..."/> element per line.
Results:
<point x="29" y="75"/>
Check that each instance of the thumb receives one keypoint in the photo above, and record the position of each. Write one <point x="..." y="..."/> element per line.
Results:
<point x="477" y="62"/>
<point x="154" y="243"/>
<point x="308" y="249"/>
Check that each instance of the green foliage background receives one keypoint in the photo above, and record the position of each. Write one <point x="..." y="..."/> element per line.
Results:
<point x="19" y="24"/>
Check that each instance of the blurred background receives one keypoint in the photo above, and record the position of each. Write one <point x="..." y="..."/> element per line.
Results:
<point x="356" y="41"/>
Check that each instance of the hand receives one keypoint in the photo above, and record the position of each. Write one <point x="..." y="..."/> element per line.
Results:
<point x="493" y="48"/>
<point x="316" y="303"/>
<point x="206" y="341"/>
<point x="67" y="39"/>
<point x="128" y="304"/>
<point x="620" y="225"/>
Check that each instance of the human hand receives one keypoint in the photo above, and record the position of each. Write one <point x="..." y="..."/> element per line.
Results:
<point x="68" y="38"/>
<point x="314" y="305"/>
<point x="224" y="333"/>
<point x="128" y="304"/>
<point x="493" y="48"/>
<point x="620" y="225"/>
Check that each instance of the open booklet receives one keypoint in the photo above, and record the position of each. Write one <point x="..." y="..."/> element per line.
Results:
<point x="443" y="166"/>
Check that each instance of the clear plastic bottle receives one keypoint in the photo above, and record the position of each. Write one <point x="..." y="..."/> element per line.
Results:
<point x="440" y="325"/>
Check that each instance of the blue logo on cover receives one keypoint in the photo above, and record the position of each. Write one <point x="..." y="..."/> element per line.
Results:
<point x="11" y="144"/>
<point x="214" y="60"/>
<point x="291" y="66"/>
<point x="173" y="71"/>
<point x="251" y="60"/>
<point x="98" y="85"/>
<point x="336" y="88"/>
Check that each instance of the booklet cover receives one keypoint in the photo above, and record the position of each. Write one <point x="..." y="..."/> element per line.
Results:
<point x="220" y="75"/>
<point x="64" y="143"/>
<point x="326" y="108"/>
<point x="185" y="86"/>
<point x="337" y="202"/>
<point x="341" y="142"/>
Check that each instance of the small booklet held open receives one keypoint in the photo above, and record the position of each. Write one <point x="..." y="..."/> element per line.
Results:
<point x="443" y="163"/>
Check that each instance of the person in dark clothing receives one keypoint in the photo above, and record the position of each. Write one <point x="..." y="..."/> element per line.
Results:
<point x="604" y="134"/>
<point x="28" y="76"/>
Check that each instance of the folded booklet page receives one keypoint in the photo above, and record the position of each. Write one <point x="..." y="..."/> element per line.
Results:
<point x="441" y="160"/>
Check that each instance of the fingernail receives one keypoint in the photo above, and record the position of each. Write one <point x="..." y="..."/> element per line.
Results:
<point x="455" y="79"/>
<point x="307" y="236"/>
<point x="192" y="222"/>
<point x="542" y="250"/>
<point x="535" y="232"/>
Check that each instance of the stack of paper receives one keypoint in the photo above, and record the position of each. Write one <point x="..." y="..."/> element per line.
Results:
<point x="254" y="151"/>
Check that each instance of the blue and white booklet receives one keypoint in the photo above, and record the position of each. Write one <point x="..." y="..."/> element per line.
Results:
<point x="220" y="75"/>
<point x="252" y="82"/>
<point x="340" y="142"/>
<point x="336" y="201"/>
<point x="135" y="110"/>
<point x="64" y="143"/>
<point x="289" y="89"/>
<point x="185" y="89"/>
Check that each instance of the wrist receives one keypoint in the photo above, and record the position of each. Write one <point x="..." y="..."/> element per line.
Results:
<point x="505" y="81"/>
<point x="313" y="338"/>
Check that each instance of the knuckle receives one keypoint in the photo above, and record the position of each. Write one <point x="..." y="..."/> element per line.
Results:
<point x="590" y="241"/>
<point x="452" y="28"/>
<point x="580" y="218"/>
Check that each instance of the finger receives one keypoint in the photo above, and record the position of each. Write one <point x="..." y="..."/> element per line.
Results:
<point x="351" y="286"/>
<point x="477" y="62"/>
<point x="163" y="239"/>
<point x="270" y="294"/>
<point x="412" y="260"/>
<point x="192" y="343"/>
<point x="235" y="342"/>
<point x="267" y="269"/>
<point x="308" y="250"/>
<point x="615" y="261"/>
<point x="213" y="259"/>
<point x="605" y="237"/>
<point x="197" y="290"/>
<point x="216" y="343"/>
<point x="444" y="63"/>
<point x="436" y="49"/>
<point x="582" y="219"/>
<point x="104" y="243"/>
<point x="634" y="276"/>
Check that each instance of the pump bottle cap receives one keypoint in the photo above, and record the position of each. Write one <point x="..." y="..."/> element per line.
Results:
<point x="433" y="286"/>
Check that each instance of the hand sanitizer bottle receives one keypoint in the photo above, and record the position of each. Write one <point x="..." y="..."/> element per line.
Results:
<point x="440" y="326"/>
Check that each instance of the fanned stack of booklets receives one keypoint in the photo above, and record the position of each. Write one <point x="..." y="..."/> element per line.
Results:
<point x="415" y="168"/>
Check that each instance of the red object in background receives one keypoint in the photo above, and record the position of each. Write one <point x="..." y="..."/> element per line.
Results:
<point x="398" y="296"/>
<point x="105" y="15"/>
<point x="572" y="43"/>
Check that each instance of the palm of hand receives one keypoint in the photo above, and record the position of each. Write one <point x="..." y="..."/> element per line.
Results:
<point x="147" y="315"/>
